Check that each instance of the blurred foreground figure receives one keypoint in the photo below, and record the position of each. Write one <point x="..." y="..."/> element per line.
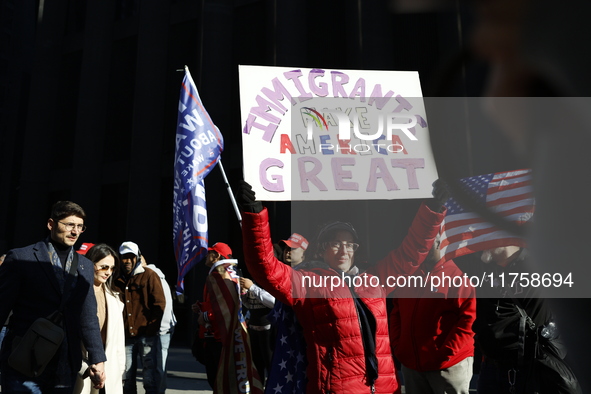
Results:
<point x="539" y="49"/>
<point x="515" y="329"/>
<point x="538" y="93"/>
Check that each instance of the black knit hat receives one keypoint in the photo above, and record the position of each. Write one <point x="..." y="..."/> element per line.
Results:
<point x="333" y="227"/>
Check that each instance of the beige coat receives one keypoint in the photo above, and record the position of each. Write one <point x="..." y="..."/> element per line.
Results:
<point x="114" y="349"/>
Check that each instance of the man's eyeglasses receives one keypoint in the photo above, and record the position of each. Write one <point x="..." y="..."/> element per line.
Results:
<point x="336" y="245"/>
<point x="104" y="268"/>
<point x="71" y="226"/>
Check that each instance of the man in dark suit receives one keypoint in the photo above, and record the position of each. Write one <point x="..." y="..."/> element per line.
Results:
<point x="33" y="281"/>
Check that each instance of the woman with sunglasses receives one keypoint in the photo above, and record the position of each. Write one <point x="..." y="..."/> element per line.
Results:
<point x="110" y="316"/>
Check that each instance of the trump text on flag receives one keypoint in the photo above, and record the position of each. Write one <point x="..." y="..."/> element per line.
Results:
<point x="199" y="144"/>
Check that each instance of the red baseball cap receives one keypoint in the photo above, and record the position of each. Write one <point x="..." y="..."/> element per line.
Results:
<point x="296" y="241"/>
<point x="222" y="248"/>
<point x="85" y="247"/>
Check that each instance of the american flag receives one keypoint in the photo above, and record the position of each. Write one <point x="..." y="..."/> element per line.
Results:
<point x="509" y="194"/>
<point x="236" y="370"/>
<point x="288" y="368"/>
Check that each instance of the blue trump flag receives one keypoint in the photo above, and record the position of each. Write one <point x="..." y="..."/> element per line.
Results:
<point x="199" y="144"/>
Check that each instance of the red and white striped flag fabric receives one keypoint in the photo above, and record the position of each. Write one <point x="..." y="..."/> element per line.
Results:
<point x="236" y="371"/>
<point x="508" y="194"/>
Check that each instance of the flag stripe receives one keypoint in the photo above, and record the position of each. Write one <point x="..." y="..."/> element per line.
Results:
<point x="484" y="245"/>
<point x="512" y="174"/>
<point x="504" y="188"/>
<point x="516" y="180"/>
<point x="454" y="226"/>
<point x="226" y="301"/>
<point x="207" y="168"/>
<point x="507" y="194"/>
<point x="236" y="371"/>
<point x="498" y="200"/>
<point x="474" y="234"/>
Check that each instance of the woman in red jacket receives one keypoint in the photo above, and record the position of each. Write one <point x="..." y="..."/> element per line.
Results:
<point x="341" y="310"/>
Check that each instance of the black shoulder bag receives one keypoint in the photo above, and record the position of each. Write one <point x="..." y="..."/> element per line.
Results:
<point x="549" y="373"/>
<point x="33" y="352"/>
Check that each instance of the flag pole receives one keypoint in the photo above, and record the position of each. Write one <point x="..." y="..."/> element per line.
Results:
<point x="238" y="216"/>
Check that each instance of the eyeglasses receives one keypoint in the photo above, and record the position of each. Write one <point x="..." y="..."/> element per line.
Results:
<point x="336" y="245"/>
<point x="71" y="226"/>
<point x="104" y="268"/>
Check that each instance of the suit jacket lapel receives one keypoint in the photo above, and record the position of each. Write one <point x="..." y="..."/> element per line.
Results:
<point x="42" y="256"/>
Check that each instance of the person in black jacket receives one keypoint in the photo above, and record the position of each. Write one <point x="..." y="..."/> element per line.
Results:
<point x="38" y="280"/>
<point x="515" y="329"/>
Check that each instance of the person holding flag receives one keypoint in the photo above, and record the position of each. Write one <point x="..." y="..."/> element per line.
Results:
<point x="345" y="327"/>
<point x="199" y="144"/>
<point x="431" y="329"/>
<point x="228" y="358"/>
<point x="515" y="328"/>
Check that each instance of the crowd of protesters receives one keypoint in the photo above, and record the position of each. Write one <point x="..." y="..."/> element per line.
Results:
<point x="110" y="306"/>
<point x="277" y="332"/>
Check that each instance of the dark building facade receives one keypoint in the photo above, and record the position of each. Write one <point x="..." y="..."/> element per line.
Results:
<point x="89" y="93"/>
<point x="88" y="105"/>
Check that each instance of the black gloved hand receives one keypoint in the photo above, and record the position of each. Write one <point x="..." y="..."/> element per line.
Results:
<point x="247" y="199"/>
<point x="441" y="194"/>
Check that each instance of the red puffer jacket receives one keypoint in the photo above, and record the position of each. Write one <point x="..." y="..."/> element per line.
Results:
<point x="324" y="307"/>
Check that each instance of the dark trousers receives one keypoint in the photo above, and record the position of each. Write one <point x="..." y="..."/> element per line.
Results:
<point x="15" y="382"/>
<point x="262" y="351"/>
<point x="213" y="349"/>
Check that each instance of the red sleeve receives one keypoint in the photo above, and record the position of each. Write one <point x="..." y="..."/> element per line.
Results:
<point x="462" y="332"/>
<point x="210" y="316"/>
<point x="268" y="272"/>
<point x="414" y="248"/>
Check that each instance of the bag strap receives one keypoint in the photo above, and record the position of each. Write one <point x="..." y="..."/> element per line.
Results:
<point x="69" y="279"/>
<point x="56" y="317"/>
<point x="523" y="321"/>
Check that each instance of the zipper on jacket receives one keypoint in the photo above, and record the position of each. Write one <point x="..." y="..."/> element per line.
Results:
<point x="331" y="366"/>
<point x="372" y="388"/>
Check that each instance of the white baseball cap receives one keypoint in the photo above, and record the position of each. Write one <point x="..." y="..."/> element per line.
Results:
<point x="129" y="247"/>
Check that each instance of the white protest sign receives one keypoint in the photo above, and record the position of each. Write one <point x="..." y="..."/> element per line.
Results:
<point x="314" y="134"/>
